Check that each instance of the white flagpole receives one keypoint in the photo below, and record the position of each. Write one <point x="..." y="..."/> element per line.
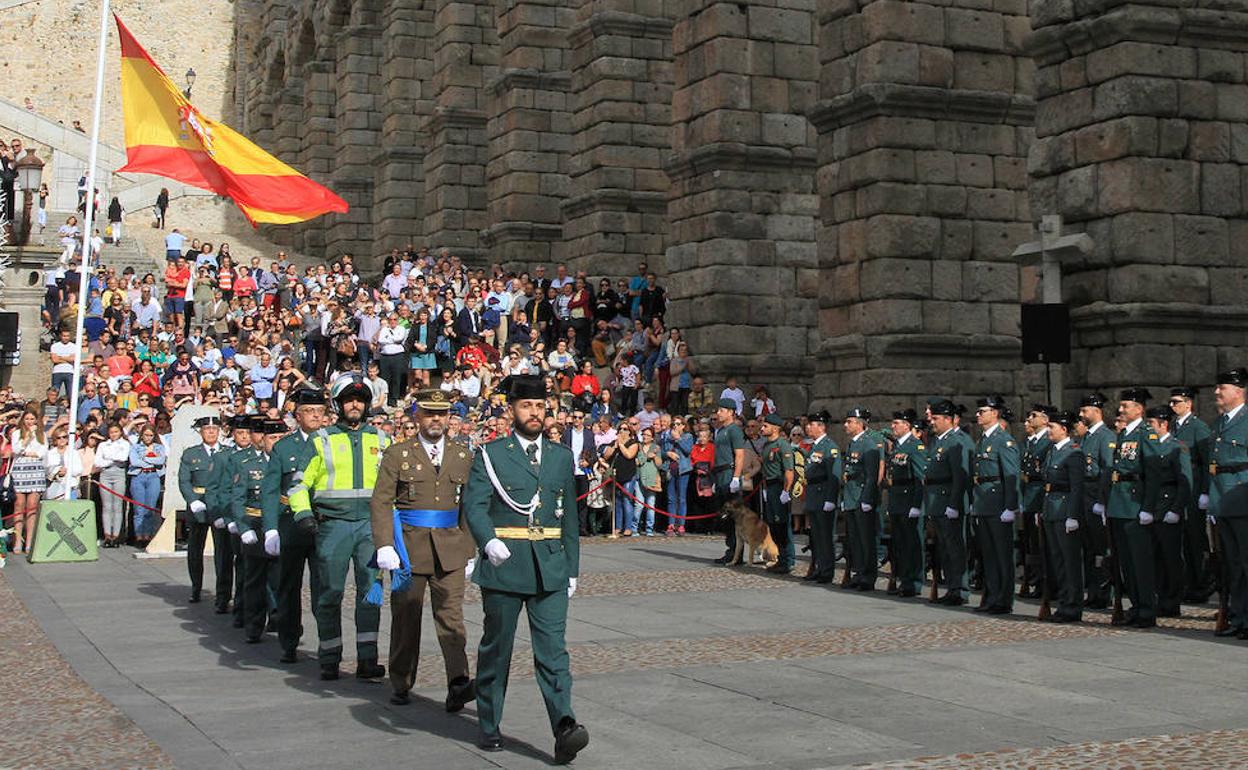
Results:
<point x="71" y="475"/>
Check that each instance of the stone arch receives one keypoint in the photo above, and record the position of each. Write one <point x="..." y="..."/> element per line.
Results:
<point x="305" y="45"/>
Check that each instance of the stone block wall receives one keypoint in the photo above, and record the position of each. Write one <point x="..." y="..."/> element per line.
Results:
<point x="924" y="127"/>
<point x="1141" y="133"/>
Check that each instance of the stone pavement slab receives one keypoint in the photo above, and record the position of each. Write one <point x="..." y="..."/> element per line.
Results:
<point x="678" y="664"/>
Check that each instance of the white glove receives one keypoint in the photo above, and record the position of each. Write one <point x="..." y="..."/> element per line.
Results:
<point x="571" y="587"/>
<point x="914" y="513"/>
<point x="388" y="558"/>
<point x="469" y="567"/>
<point x="219" y="523"/>
<point x="1071" y="525"/>
<point x="1171" y="517"/>
<point x="197" y="506"/>
<point x="1007" y="516"/>
<point x="272" y="542"/>
<point x="785" y="497"/>
<point x="1209" y="517"/>
<point x="1146" y="518"/>
<point x="1203" y="503"/>
<point x="829" y="506"/>
<point x="951" y="513"/>
<point x="734" y="486"/>
<point x="1098" y="509"/>
<point x="497" y="552"/>
<point x="866" y="507"/>
<point x="232" y="527"/>
<point x="249" y="537"/>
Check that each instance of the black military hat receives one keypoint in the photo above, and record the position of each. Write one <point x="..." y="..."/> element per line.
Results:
<point x="906" y="414"/>
<point x="1183" y="392"/>
<point x="921" y="424"/>
<point x="1138" y="395"/>
<point x="210" y="420"/>
<point x="943" y="407"/>
<point x="240" y="421"/>
<point x="858" y="413"/>
<point x="1039" y="408"/>
<point x="432" y="400"/>
<point x="774" y="419"/>
<point x="1095" y="398"/>
<point x="1006" y="413"/>
<point x="308" y="397"/>
<point x="1064" y="418"/>
<point x="991" y="402"/>
<point x="522" y="386"/>
<point x="959" y="409"/>
<point x="256" y="422"/>
<point x="272" y="427"/>
<point x="1160" y="412"/>
<point x="820" y="416"/>
<point x="1237" y="377"/>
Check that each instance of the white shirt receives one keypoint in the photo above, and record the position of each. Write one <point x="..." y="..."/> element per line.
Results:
<point x="1062" y="443"/>
<point x="470" y="386"/>
<point x="860" y="434"/>
<point x="63" y="349"/>
<point x="1132" y="425"/>
<point x="111" y="453"/>
<point x="904" y="438"/>
<point x="1095" y="428"/>
<point x="941" y="436"/>
<point x="524" y="446"/>
<point x="736" y="394"/>
<point x="1231" y="414"/>
<point x="989" y="431"/>
<point x="577" y="446"/>
<point x="435" y="449"/>
<point x="391" y="340"/>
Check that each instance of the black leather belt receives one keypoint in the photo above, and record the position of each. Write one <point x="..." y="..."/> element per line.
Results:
<point x="1237" y="468"/>
<point x="986" y="479"/>
<point x="1056" y="487"/>
<point x="1119" y="477"/>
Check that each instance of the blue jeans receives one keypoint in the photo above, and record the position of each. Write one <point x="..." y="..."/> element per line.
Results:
<point x="678" y="499"/>
<point x="63" y="379"/>
<point x="145" y="488"/>
<point x="646" y="514"/>
<point x="625" y="513"/>
<point x="364" y="353"/>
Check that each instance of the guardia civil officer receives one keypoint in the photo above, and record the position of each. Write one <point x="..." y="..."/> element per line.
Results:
<point x="1062" y="517"/>
<point x="823" y="483"/>
<point x="1031" y="496"/>
<point x="907" y="463"/>
<point x="419" y="531"/>
<point x="1167" y="490"/>
<point x="729" y="466"/>
<point x="1194" y="434"/>
<point x="223" y="492"/>
<point x="778" y="477"/>
<point x="259" y="570"/>
<point x="944" y="498"/>
<point x="995" y="504"/>
<point x="520" y="502"/>
<point x="332" y="501"/>
<point x="196" y="473"/>
<point x="1130" y="522"/>
<point x="1098" y="444"/>
<point x="293" y="547"/>
<point x="860" y="494"/>
<point x="1228" y="492"/>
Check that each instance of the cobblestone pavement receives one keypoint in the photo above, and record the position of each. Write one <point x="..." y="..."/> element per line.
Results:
<point x="53" y="719"/>
<point x="1220" y="749"/>
<point x="603" y="658"/>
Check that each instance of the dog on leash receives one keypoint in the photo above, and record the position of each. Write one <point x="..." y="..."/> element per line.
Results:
<point x="752" y="535"/>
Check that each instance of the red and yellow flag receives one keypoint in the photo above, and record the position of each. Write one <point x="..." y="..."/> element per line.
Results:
<point x="167" y="136"/>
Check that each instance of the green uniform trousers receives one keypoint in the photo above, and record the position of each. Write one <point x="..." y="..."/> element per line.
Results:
<point x="1095" y="546"/>
<point x="907" y="544"/>
<point x="1233" y="537"/>
<point x="779" y="519"/>
<point x="259" y="588"/>
<point x="951" y="541"/>
<point x="1064" y="567"/>
<point x="862" y="531"/>
<point x="339" y="543"/>
<point x="823" y="541"/>
<point x="996" y="549"/>
<point x="1133" y="543"/>
<point x="1168" y="546"/>
<point x="298" y="549"/>
<point x="548" y="620"/>
<point x="240" y="575"/>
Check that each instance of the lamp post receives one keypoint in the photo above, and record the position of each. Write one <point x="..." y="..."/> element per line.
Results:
<point x="29" y="173"/>
<point x="190" y="81"/>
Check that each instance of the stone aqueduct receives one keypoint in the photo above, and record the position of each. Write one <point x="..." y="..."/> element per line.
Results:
<point x="831" y="188"/>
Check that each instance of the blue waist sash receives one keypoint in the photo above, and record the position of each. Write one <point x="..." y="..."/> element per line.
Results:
<point x="418" y="517"/>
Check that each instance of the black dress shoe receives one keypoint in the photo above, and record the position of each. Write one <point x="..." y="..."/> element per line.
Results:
<point x="952" y="600"/>
<point x="893" y="591"/>
<point x="1096" y="604"/>
<point x="369" y="669"/>
<point x="721" y="560"/>
<point x="401" y="698"/>
<point x="1243" y="634"/>
<point x="490" y="742"/>
<point x="1170" y="612"/>
<point x="271" y="626"/>
<point x="1126" y="620"/>
<point x="1145" y="622"/>
<point x="1000" y="610"/>
<point x="983" y="608"/>
<point x="907" y="593"/>
<point x="810" y="576"/>
<point x="195" y="596"/>
<point x="222" y="609"/>
<point x="1227" y="632"/>
<point x="254" y="639"/>
<point x="1028" y="593"/>
<point x="779" y="569"/>
<point x="1058" y="617"/>
<point x="289" y="656"/>
<point x="825" y="579"/>
<point x="460" y="692"/>
<point x="329" y="671"/>
<point x="865" y="586"/>
<point x="570" y="738"/>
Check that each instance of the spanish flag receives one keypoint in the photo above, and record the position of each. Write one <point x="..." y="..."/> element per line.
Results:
<point x="167" y="136"/>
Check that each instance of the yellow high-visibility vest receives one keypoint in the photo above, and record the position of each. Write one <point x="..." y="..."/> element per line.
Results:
<point x="339" y="478"/>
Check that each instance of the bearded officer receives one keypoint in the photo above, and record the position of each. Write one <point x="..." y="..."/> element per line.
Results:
<point x="1062" y="515"/>
<point x="860" y="494"/>
<point x="196" y="472"/>
<point x="995" y="505"/>
<point x="332" y="501"/>
<point x="417" y="528"/>
<point x="521" y="507"/>
<point x="259" y="571"/>
<point x="778" y="476"/>
<point x="292" y="547"/>
<point x="823" y="485"/>
<point x="1228" y="493"/>
<point x="907" y="462"/>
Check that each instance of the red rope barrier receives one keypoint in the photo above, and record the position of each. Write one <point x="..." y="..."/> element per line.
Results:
<point x="130" y="500"/>
<point x="660" y="510"/>
<point x="595" y="489"/>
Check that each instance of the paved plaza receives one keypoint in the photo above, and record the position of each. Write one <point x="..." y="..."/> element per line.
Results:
<point x="678" y="664"/>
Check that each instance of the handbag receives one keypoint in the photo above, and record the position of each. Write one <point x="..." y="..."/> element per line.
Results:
<point x="443" y="346"/>
<point x="346" y="346"/>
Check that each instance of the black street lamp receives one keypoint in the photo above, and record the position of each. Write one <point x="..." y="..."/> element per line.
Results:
<point x="190" y="81"/>
<point x="29" y="174"/>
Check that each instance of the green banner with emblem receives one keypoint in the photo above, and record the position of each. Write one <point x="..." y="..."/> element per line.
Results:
<point x="65" y="532"/>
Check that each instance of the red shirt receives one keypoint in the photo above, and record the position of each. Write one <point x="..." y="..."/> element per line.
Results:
<point x="585" y="382"/>
<point x="176" y="281"/>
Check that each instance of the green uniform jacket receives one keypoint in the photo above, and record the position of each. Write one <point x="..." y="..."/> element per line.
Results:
<point x="860" y="473"/>
<point x="1098" y="455"/>
<point x="1128" y="474"/>
<point x="1031" y="472"/>
<point x="945" y="480"/>
<point x="197" y="474"/>
<point x="1228" y="467"/>
<point x="290" y="456"/>
<point x="727" y="441"/>
<point x="907" y="463"/>
<point x="1062" y="477"/>
<point x="221" y="493"/>
<point x="1198" y="439"/>
<point x="1168" y="478"/>
<point x="247" y="477"/>
<point x="996" y="474"/>
<point x="535" y="566"/>
<point x="823" y="475"/>
<point x="777" y="457"/>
